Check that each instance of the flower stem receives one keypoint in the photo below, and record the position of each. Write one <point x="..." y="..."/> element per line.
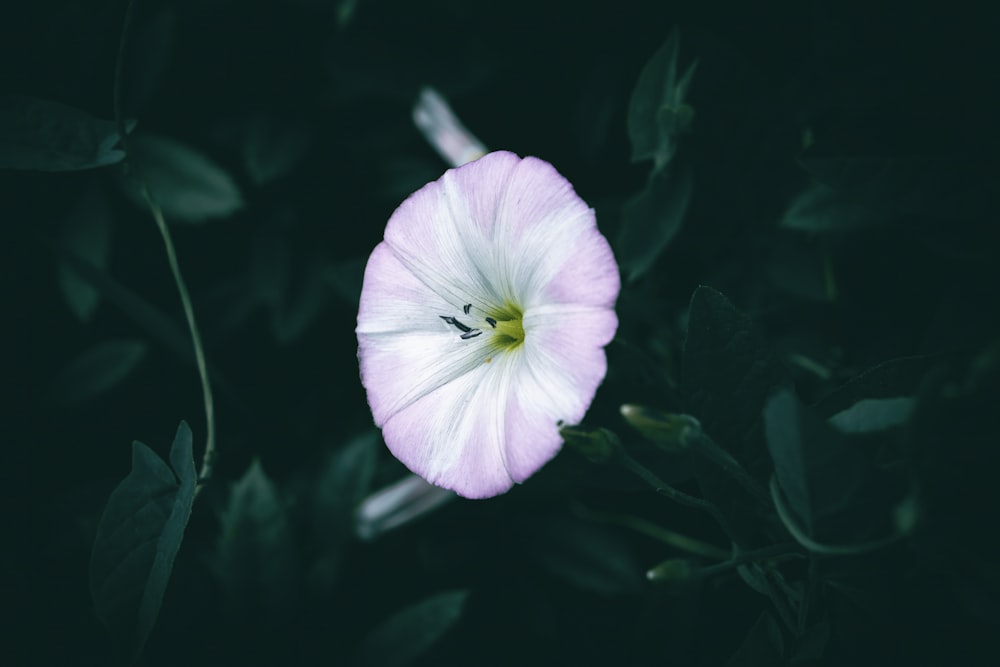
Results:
<point x="756" y="555"/>
<point x="676" y="495"/>
<point x="199" y="350"/>
<point x="720" y="457"/>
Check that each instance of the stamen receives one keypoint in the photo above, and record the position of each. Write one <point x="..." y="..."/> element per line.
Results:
<point x="466" y="308"/>
<point x="471" y="334"/>
<point x="492" y="322"/>
<point x="455" y="323"/>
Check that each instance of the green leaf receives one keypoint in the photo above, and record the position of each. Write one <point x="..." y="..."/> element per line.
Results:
<point x="255" y="558"/>
<point x="410" y="632"/>
<point x="820" y="209"/>
<point x="40" y="135"/>
<point x="874" y="414"/>
<point x="727" y="372"/>
<point x="272" y="148"/>
<point x="657" y="113"/>
<point x="138" y="537"/>
<point x="587" y="556"/>
<point x="187" y="185"/>
<point x="726" y="375"/>
<point x="98" y="370"/>
<point x="651" y="219"/>
<point x="819" y="470"/>
<point x="86" y="233"/>
<point x="341" y="486"/>
<point x="890" y="379"/>
<point x="763" y="645"/>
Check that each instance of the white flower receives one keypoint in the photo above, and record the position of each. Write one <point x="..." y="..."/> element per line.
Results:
<point x="483" y="318"/>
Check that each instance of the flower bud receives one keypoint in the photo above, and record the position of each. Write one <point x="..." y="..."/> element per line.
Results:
<point x="598" y="445"/>
<point x="669" y="430"/>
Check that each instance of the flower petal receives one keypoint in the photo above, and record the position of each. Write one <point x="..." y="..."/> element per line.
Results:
<point x="454" y="436"/>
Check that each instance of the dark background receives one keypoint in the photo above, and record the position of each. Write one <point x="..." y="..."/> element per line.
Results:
<point x="325" y="89"/>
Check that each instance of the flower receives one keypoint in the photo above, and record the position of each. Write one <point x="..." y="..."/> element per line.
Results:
<point x="482" y="324"/>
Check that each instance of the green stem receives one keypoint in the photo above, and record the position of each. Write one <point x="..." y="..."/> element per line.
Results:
<point x="676" y="495"/>
<point x="199" y="350"/>
<point x="791" y="524"/>
<point x="717" y="455"/>
<point x="669" y="537"/>
<point x="756" y="555"/>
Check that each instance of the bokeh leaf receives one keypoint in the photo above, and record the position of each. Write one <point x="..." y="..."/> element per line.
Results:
<point x="255" y="558"/>
<point x="763" y="644"/>
<point x="138" y="537"/>
<point x="408" y="633"/>
<point x="187" y="185"/>
<point x="40" y="135"/>
<point x="872" y="415"/>
<point x="86" y="233"/>
<point x="651" y="219"/>
<point x="587" y="556"/>
<point x="657" y="113"/>
<point x="819" y="208"/>
<point x="273" y="147"/>
<point x="98" y="370"/>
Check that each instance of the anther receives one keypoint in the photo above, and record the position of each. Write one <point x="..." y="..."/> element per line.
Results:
<point x="492" y="322"/>
<point x="471" y="334"/>
<point x="466" y="308"/>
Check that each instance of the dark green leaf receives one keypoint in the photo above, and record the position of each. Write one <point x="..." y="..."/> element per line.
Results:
<point x="587" y="556"/>
<point x="896" y="377"/>
<point x="820" y="208"/>
<point x="657" y="113"/>
<point x="726" y="375"/>
<point x="187" y="185"/>
<point x="86" y="233"/>
<point x="342" y="484"/>
<point x="819" y="470"/>
<point x="272" y="148"/>
<point x="138" y="537"/>
<point x="652" y="218"/>
<point x="149" y="50"/>
<point x="48" y="136"/>
<point x="916" y="185"/>
<point x="763" y="645"/>
<point x="98" y="370"/>
<point x="874" y="414"/>
<point x="255" y="559"/>
<point x="408" y="633"/>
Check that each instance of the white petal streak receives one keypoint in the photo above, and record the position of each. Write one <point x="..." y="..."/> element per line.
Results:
<point x="454" y="437"/>
<point x="405" y="349"/>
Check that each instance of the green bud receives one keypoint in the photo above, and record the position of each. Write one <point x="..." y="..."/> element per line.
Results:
<point x="598" y="445"/>
<point x="672" y="571"/>
<point x="669" y="430"/>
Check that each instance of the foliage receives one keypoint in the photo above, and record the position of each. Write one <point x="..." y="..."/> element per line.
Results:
<point x="799" y="197"/>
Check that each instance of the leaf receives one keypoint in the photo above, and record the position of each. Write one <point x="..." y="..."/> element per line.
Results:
<point x="410" y="632"/>
<point x="138" y="537"/>
<point x="821" y="209"/>
<point x="890" y="379"/>
<point x="187" y="185"/>
<point x="587" y="556"/>
<point x="149" y="50"/>
<point x="41" y="135"/>
<point x="727" y="372"/>
<point x="255" y="557"/>
<point x="924" y="186"/>
<point x="652" y="218"/>
<point x="763" y="645"/>
<point x="874" y="414"/>
<point x="819" y="470"/>
<point x="657" y="113"/>
<point x="726" y="375"/>
<point x="98" y="370"/>
<point x="272" y="148"/>
<point x="339" y="489"/>
<point x="86" y="233"/>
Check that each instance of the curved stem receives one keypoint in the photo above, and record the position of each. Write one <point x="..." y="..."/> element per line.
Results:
<point x="676" y="495"/>
<point x="168" y="243"/>
<point x="720" y="457"/>
<point x="791" y="524"/>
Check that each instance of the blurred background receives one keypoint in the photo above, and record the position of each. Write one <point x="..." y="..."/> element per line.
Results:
<point x="833" y="176"/>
